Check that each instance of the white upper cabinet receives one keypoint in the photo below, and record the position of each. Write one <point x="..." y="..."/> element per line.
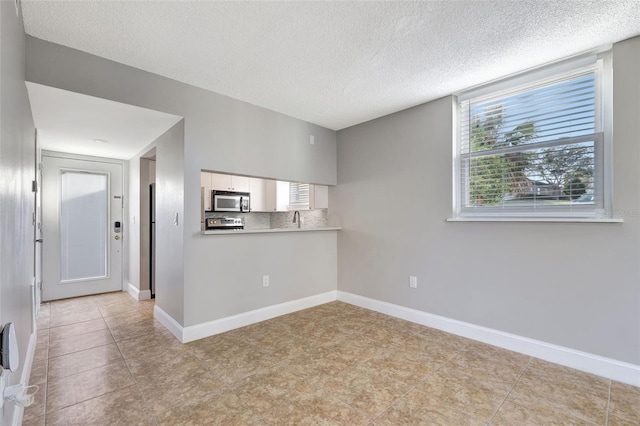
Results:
<point x="220" y="182"/>
<point x="240" y="183"/>
<point x="229" y="183"/>
<point x="277" y="196"/>
<point x="205" y="182"/>
<point x="258" y="194"/>
<point x="319" y="197"/>
<point x="210" y="181"/>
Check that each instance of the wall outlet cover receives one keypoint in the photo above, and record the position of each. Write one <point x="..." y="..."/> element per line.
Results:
<point x="413" y="282"/>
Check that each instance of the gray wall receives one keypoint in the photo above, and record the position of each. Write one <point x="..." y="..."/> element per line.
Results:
<point x="170" y="261"/>
<point x="575" y="285"/>
<point x="133" y="237"/>
<point x="220" y="134"/>
<point x="299" y="265"/>
<point x="17" y="154"/>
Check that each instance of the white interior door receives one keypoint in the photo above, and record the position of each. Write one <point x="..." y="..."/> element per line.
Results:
<point x="82" y="206"/>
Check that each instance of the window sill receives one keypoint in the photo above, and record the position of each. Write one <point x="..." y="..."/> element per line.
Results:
<point x="535" y="219"/>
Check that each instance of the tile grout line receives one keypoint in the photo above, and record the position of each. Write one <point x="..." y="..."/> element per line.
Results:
<point x="454" y="354"/>
<point x="510" y="390"/>
<point x="102" y="366"/>
<point x="419" y="383"/>
<point x="606" y="419"/>
<point x="548" y="404"/>
<point x="528" y="366"/>
<point x="372" y="421"/>
<point x="126" y="364"/>
<point x="46" y="381"/>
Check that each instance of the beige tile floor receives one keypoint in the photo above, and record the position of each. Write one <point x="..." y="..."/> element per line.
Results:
<point x="104" y="360"/>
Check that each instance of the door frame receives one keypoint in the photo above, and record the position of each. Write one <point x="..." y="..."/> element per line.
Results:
<point x="125" y="200"/>
<point x="37" y="228"/>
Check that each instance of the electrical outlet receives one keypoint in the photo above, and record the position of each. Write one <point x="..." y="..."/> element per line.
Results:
<point x="265" y="281"/>
<point x="413" y="282"/>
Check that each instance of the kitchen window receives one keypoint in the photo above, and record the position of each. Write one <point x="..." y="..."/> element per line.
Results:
<point x="298" y="196"/>
<point x="536" y="145"/>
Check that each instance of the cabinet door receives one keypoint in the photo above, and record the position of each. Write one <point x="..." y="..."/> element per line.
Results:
<point x="205" y="182"/>
<point x="282" y="196"/>
<point x="275" y="200"/>
<point x="319" y="197"/>
<point x="269" y="195"/>
<point x="221" y="182"/>
<point x="258" y="195"/>
<point x="240" y="183"/>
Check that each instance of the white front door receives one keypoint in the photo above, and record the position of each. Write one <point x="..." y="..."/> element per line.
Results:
<point x="82" y="204"/>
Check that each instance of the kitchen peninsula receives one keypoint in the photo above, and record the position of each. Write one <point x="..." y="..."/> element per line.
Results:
<point x="268" y="230"/>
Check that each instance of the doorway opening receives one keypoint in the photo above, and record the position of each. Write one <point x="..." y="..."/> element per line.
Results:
<point x="147" y="221"/>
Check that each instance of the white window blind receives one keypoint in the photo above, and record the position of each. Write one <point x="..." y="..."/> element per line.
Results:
<point x="533" y="150"/>
<point x="298" y="195"/>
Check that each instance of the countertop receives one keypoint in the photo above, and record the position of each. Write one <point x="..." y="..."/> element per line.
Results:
<point x="267" y="230"/>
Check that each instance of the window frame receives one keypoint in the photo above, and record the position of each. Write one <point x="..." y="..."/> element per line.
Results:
<point x="600" y="62"/>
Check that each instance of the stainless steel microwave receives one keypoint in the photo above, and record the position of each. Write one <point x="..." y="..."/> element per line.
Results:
<point x="230" y="201"/>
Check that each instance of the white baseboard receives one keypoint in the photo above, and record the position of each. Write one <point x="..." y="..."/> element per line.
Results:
<point x="594" y="364"/>
<point x="606" y="367"/>
<point x="138" y="294"/>
<point x="221" y="325"/>
<point x="170" y="324"/>
<point x="18" y="412"/>
<point x="200" y="331"/>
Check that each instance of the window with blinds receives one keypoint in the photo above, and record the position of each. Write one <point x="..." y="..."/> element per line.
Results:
<point x="535" y="148"/>
<point x="298" y="196"/>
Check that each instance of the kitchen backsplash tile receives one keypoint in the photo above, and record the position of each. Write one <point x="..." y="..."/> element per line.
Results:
<point x="251" y="220"/>
<point x="310" y="219"/>
<point x="256" y="220"/>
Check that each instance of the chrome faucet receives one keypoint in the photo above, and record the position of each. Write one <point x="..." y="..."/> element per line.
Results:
<point x="299" y="222"/>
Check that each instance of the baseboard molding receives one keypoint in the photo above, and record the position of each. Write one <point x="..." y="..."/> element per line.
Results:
<point x="170" y="324"/>
<point x="138" y="294"/>
<point x="222" y="325"/>
<point x="200" y="331"/>
<point x="594" y="364"/>
<point x="18" y="412"/>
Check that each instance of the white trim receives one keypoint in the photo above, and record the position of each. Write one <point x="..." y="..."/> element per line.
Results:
<point x="595" y="364"/>
<point x="199" y="331"/>
<point x="596" y="62"/>
<point x="169" y="323"/>
<point x="138" y="294"/>
<point x="68" y="155"/>
<point x="210" y="328"/>
<point x="539" y="72"/>
<point x="18" y="411"/>
<point x="533" y="219"/>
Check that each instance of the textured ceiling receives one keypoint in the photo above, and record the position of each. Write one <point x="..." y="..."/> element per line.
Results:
<point x="335" y="64"/>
